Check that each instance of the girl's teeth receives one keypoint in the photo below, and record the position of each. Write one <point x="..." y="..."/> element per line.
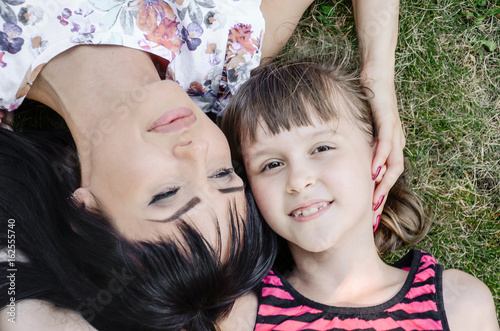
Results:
<point x="308" y="212"/>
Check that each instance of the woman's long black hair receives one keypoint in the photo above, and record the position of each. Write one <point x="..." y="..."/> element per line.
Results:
<point x="75" y="259"/>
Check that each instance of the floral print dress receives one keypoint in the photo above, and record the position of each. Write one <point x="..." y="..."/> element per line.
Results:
<point x="212" y="45"/>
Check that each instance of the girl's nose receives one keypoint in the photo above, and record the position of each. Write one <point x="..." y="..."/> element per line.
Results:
<point x="299" y="180"/>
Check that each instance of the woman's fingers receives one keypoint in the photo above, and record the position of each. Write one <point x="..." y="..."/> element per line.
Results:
<point x="390" y="171"/>
<point x="381" y="174"/>
<point x="5" y="120"/>
<point x="395" y="167"/>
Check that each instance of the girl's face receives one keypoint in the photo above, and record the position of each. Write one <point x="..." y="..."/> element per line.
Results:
<point x="162" y="161"/>
<point x="313" y="184"/>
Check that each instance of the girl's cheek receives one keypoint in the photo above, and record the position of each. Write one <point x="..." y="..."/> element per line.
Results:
<point x="259" y="190"/>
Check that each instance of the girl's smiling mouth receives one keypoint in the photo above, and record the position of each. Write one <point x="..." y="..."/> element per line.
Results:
<point x="310" y="211"/>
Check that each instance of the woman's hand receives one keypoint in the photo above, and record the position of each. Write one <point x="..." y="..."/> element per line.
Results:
<point x="388" y="162"/>
<point x="377" y="29"/>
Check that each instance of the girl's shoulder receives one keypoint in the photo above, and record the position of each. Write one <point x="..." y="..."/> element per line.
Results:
<point x="243" y="314"/>
<point x="468" y="302"/>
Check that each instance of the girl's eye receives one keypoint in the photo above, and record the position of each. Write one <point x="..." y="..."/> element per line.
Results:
<point x="322" y="148"/>
<point x="272" y="165"/>
<point x="222" y="173"/>
<point x="165" y="195"/>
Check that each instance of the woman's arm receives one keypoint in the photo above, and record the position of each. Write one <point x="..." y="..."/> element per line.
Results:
<point x="377" y="28"/>
<point x="281" y="18"/>
<point x="41" y="316"/>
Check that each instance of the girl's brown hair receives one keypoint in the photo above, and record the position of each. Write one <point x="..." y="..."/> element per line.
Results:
<point x="284" y="95"/>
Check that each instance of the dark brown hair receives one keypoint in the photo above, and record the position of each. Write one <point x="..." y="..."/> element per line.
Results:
<point x="284" y="95"/>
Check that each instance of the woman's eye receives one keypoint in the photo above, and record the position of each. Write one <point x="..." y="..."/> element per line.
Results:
<point x="221" y="173"/>
<point x="323" y="148"/>
<point x="272" y="165"/>
<point x="165" y="195"/>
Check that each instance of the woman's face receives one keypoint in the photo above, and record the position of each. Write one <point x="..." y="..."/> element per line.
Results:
<point x="160" y="160"/>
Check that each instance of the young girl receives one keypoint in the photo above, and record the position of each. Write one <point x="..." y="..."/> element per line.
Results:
<point x="305" y="134"/>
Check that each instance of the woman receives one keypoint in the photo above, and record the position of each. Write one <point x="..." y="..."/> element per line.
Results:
<point x="131" y="158"/>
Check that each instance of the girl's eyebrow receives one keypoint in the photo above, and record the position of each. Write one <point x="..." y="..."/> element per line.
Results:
<point x="193" y="202"/>
<point x="312" y="135"/>
<point x="326" y="132"/>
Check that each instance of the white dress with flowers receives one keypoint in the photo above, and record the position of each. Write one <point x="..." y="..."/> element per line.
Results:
<point x="212" y="45"/>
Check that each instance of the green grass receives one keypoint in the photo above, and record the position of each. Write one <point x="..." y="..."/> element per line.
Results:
<point x="448" y="86"/>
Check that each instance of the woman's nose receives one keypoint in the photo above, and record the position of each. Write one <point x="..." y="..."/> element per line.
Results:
<point x="195" y="149"/>
<point x="194" y="158"/>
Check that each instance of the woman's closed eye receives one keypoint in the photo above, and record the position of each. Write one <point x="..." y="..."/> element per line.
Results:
<point x="164" y="195"/>
<point x="218" y="174"/>
<point x="222" y="173"/>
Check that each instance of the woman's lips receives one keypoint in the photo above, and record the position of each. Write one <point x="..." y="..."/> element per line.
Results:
<point x="174" y="120"/>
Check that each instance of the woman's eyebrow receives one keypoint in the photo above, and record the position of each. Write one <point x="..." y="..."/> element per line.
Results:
<point x="188" y="206"/>
<point x="231" y="189"/>
<point x="193" y="202"/>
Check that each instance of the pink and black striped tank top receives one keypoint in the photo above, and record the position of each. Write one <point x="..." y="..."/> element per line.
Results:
<point x="417" y="306"/>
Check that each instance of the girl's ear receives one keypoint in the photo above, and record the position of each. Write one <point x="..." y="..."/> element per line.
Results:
<point x="82" y="195"/>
